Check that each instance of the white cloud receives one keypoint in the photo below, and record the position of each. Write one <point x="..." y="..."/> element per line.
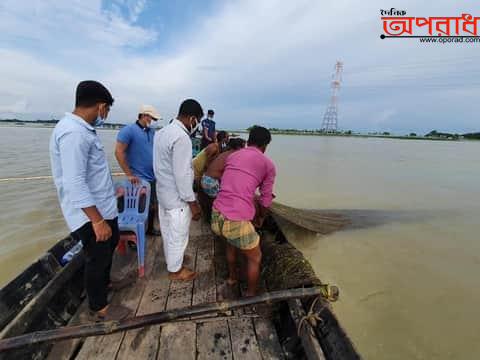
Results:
<point x="252" y="61"/>
<point x="73" y="23"/>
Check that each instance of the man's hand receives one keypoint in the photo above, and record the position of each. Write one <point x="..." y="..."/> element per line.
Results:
<point x="261" y="213"/>
<point x="102" y="230"/>
<point x="195" y="209"/>
<point x="134" y="180"/>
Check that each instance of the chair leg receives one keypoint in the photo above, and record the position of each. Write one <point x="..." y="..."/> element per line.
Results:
<point x="121" y="247"/>
<point x="141" y="249"/>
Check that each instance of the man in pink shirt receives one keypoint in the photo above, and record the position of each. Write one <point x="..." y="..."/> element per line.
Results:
<point x="235" y="206"/>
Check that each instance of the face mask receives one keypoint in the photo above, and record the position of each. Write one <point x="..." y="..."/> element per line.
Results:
<point x="194" y="128"/>
<point x="152" y="125"/>
<point x="99" y="121"/>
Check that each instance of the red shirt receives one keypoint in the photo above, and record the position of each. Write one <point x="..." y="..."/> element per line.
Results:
<point x="245" y="171"/>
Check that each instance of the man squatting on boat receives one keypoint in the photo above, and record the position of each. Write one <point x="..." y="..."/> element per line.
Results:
<point x="87" y="198"/>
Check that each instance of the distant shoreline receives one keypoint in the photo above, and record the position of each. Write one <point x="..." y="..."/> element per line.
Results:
<point x="49" y="125"/>
<point x="379" y="136"/>
<point x="45" y="126"/>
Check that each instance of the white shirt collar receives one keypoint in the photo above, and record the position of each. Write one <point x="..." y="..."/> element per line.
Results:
<point x="183" y="127"/>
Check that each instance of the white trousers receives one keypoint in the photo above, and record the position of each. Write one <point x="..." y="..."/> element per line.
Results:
<point x="175" y="228"/>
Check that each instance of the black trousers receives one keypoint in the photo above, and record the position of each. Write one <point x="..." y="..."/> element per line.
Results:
<point x="153" y="211"/>
<point x="98" y="262"/>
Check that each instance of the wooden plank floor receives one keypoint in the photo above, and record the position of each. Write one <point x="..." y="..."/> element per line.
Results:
<point x="235" y="335"/>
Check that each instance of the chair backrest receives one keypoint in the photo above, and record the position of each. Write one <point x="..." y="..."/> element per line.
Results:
<point x="132" y="196"/>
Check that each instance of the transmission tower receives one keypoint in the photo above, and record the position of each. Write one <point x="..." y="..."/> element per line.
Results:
<point x="330" y="119"/>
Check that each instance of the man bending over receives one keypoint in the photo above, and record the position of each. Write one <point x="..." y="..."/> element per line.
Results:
<point x="234" y="208"/>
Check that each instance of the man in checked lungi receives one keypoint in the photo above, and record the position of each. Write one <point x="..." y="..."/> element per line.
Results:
<point x="235" y="207"/>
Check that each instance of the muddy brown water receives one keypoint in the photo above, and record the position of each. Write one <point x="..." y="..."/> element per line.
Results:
<point x="408" y="268"/>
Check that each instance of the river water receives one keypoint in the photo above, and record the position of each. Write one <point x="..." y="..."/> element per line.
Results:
<point x="409" y="281"/>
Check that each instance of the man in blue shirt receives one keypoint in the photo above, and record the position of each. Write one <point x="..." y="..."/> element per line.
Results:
<point x="86" y="194"/>
<point x="208" y="129"/>
<point x="134" y="153"/>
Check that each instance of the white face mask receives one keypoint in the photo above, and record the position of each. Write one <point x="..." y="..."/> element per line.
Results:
<point x="99" y="121"/>
<point x="194" y="128"/>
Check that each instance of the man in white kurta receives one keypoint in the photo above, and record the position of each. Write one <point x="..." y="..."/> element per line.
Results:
<point x="172" y="162"/>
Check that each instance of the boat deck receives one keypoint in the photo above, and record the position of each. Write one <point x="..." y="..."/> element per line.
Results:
<point x="241" y="334"/>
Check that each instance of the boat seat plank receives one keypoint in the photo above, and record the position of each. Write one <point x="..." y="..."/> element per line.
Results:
<point x="221" y="269"/>
<point x="204" y="286"/>
<point x="178" y="342"/>
<point x="64" y="350"/>
<point x="107" y="347"/>
<point x="267" y="338"/>
<point x="241" y="337"/>
<point x="180" y="294"/>
<point x="213" y="341"/>
<point x="196" y="229"/>
<point x="224" y="292"/>
<point x="143" y="343"/>
<point x="244" y="341"/>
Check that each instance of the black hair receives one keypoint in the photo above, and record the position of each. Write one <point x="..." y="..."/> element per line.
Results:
<point x="191" y="107"/>
<point x="222" y="135"/>
<point x="210" y="112"/>
<point x="236" y="144"/>
<point x="90" y="93"/>
<point x="259" y="136"/>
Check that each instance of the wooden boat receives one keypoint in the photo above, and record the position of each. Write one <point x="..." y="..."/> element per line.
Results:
<point x="48" y="296"/>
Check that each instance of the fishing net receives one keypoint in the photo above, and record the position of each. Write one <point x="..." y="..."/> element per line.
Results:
<point x="285" y="267"/>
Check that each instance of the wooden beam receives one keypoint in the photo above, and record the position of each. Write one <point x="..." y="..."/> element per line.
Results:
<point x="111" y="327"/>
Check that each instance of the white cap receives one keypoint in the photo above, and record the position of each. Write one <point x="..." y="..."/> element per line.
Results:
<point x="149" y="110"/>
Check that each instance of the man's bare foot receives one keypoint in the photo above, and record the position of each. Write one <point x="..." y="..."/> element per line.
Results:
<point x="185" y="274"/>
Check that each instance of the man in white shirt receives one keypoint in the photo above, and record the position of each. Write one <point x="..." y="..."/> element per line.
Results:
<point x="172" y="162"/>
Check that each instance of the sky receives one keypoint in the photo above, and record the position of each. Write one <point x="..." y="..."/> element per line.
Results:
<point x="265" y="62"/>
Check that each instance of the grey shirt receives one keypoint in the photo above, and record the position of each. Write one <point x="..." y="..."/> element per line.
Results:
<point x="172" y="164"/>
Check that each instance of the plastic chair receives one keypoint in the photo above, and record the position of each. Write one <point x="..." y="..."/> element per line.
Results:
<point x="133" y="216"/>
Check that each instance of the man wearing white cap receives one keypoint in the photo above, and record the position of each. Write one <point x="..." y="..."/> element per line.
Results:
<point x="134" y="153"/>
